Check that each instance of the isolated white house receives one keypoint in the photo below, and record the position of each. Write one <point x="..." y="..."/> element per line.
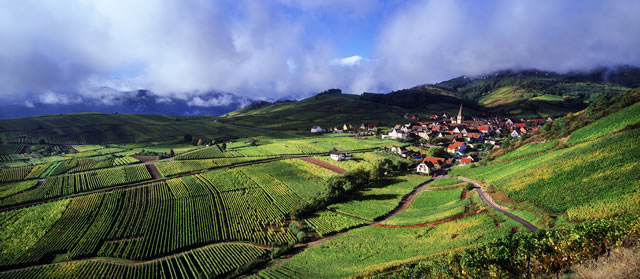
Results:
<point x="339" y="156"/>
<point x="515" y="134"/>
<point x="317" y="129"/>
<point x="424" y="167"/>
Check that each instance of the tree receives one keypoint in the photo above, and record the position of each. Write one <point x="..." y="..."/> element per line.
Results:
<point x="224" y="146"/>
<point x="187" y="138"/>
<point x="440" y="140"/>
<point x="172" y="153"/>
<point x="200" y="142"/>
<point x="437" y="151"/>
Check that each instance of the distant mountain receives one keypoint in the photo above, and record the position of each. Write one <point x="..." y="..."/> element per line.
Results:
<point x="522" y="92"/>
<point x="138" y="102"/>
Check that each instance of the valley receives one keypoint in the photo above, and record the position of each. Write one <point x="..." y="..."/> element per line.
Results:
<point x="189" y="197"/>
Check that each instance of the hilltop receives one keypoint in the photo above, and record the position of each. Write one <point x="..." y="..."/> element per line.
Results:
<point x="526" y="93"/>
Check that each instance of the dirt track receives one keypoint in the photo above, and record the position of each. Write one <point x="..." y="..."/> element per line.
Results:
<point x="324" y="165"/>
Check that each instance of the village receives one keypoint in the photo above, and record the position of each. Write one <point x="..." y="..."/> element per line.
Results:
<point x="439" y="141"/>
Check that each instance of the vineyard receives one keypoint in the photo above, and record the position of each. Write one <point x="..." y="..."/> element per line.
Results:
<point x="601" y="175"/>
<point x="63" y="185"/>
<point x="170" y="168"/>
<point x="207" y="153"/>
<point x="210" y="262"/>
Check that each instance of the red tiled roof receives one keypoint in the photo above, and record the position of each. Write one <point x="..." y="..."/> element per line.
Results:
<point x="435" y="160"/>
<point x="466" y="160"/>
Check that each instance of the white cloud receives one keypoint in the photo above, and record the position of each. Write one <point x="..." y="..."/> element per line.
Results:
<point x="223" y="100"/>
<point x="433" y="40"/>
<point x="258" y="49"/>
<point x="28" y="104"/>
<point x="348" y="61"/>
<point x="51" y="98"/>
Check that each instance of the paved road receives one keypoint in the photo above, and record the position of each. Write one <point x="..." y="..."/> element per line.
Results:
<point x="495" y="206"/>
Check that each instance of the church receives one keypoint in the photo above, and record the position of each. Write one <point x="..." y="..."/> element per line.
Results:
<point x="458" y="120"/>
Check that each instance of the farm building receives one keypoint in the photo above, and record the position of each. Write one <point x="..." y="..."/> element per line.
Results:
<point x="340" y="156"/>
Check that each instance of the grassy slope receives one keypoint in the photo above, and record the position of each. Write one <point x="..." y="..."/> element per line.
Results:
<point x="100" y="128"/>
<point x="325" y="110"/>
<point x="588" y="180"/>
<point x="379" y="200"/>
<point x="431" y="206"/>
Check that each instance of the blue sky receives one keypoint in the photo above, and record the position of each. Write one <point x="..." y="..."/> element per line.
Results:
<point x="270" y="49"/>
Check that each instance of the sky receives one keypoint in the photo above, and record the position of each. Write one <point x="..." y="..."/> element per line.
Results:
<point x="62" y="52"/>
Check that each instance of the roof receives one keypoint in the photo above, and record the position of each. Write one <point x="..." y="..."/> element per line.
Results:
<point x="434" y="160"/>
<point x="466" y="160"/>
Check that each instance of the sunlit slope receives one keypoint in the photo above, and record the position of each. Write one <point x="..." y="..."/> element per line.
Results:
<point x="597" y="175"/>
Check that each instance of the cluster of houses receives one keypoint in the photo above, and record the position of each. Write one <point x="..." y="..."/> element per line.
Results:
<point x="362" y="130"/>
<point x="459" y="136"/>
<point x="464" y="133"/>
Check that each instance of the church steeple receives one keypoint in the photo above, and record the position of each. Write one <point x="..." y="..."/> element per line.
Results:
<point x="459" y="115"/>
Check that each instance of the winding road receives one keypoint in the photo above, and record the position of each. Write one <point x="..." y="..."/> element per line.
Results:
<point x="497" y="207"/>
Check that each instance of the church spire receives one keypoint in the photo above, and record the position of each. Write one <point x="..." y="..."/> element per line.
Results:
<point x="459" y="120"/>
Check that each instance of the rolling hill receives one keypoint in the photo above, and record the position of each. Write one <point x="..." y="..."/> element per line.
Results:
<point x="529" y="93"/>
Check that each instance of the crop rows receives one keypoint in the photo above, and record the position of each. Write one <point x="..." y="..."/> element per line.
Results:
<point x="80" y="182"/>
<point x="22" y="228"/>
<point x="64" y="234"/>
<point x="327" y="222"/>
<point x="179" y="167"/>
<point x="283" y="197"/>
<point x="207" y="153"/>
<point x="11" y="157"/>
<point x="209" y="262"/>
<point x="37" y="171"/>
<point x="14" y="174"/>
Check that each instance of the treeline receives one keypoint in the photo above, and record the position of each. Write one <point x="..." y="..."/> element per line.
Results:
<point x="546" y="253"/>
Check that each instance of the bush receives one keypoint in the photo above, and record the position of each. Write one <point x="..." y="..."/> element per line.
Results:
<point x="437" y="151"/>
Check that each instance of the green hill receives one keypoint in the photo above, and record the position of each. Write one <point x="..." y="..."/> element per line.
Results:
<point x="101" y="128"/>
<point x="325" y="110"/>
<point x="520" y="93"/>
<point x="596" y="167"/>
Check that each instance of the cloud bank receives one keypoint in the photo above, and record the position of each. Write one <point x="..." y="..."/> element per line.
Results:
<point x="429" y="41"/>
<point x="286" y="48"/>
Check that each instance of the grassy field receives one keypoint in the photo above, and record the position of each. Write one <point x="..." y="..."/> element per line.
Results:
<point x="446" y="181"/>
<point x="374" y="202"/>
<point x="431" y="205"/>
<point x="369" y="248"/>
